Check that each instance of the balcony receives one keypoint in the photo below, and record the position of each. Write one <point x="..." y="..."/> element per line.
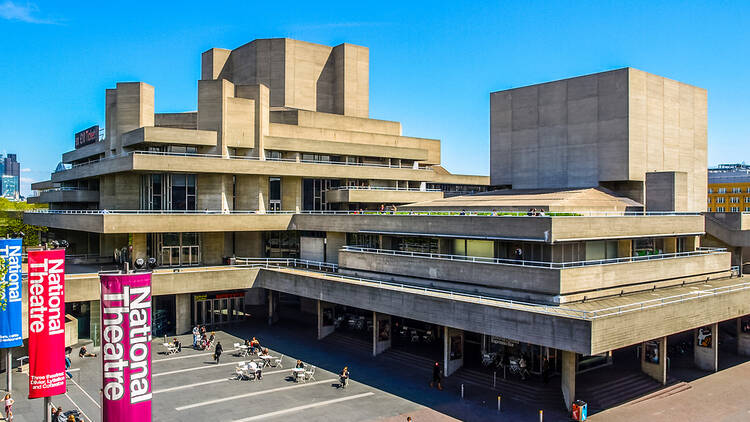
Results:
<point x="380" y="195"/>
<point x="64" y="195"/>
<point x="546" y="281"/>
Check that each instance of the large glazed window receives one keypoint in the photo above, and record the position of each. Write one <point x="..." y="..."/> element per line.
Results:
<point x="168" y="192"/>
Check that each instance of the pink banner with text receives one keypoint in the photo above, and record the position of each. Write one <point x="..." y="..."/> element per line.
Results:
<point x="46" y="323"/>
<point x="126" y="347"/>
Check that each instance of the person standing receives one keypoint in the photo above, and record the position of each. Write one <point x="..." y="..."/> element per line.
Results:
<point x="217" y="352"/>
<point x="67" y="367"/>
<point x="9" y="407"/>
<point x="344" y="376"/>
<point x="545" y="370"/>
<point x="436" y="376"/>
<point x="196" y="336"/>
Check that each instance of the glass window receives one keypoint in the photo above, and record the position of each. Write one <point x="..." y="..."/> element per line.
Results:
<point x="736" y="190"/>
<point x="722" y="190"/>
<point x="719" y="209"/>
<point x="734" y="200"/>
<point x="735" y="209"/>
<point x="274" y="189"/>
<point x="720" y="200"/>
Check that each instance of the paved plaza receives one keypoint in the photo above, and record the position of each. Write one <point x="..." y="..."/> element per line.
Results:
<point x="191" y="386"/>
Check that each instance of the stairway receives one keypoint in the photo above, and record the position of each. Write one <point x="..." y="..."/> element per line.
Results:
<point x="529" y="391"/>
<point x="351" y="344"/>
<point x="604" y="395"/>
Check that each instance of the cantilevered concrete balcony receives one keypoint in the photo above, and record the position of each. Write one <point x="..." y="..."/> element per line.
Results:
<point x="169" y="136"/>
<point x="84" y="152"/>
<point x="550" y="282"/>
<point x="451" y="224"/>
<point x="64" y="195"/>
<point x="380" y="195"/>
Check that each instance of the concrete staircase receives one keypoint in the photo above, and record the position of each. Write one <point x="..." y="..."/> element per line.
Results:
<point x="664" y="392"/>
<point x="530" y="391"/>
<point x="601" y="396"/>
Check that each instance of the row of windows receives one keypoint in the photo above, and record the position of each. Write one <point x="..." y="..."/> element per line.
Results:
<point x="732" y="209"/>
<point x="732" y="200"/>
<point x="724" y="190"/>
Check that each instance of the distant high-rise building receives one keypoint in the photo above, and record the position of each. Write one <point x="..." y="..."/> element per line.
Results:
<point x="11" y="180"/>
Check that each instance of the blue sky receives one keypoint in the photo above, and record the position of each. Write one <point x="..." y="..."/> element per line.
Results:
<point x="432" y="64"/>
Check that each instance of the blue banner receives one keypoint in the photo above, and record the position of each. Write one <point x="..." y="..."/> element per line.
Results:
<point x="11" y="334"/>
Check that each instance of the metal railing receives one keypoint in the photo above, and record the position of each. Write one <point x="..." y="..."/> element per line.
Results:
<point x="432" y="213"/>
<point x="529" y="263"/>
<point x="383" y="188"/>
<point x="288" y="262"/>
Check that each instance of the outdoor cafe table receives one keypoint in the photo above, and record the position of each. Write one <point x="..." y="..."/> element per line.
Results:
<point x="266" y="360"/>
<point x="296" y="372"/>
<point x="244" y="350"/>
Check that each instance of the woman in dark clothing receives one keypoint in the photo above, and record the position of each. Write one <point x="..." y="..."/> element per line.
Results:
<point x="217" y="352"/>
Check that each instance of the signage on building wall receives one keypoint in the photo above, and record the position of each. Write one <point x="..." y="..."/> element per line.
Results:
<point x="87" y="136"/>
<point x="126" y="347"/>
<point x="46" y="323"/>
<point x="503" y="341"/>
<point x="11" y="320"/>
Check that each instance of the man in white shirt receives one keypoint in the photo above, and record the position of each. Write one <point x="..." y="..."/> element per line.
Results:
<point x="254" y="368"/>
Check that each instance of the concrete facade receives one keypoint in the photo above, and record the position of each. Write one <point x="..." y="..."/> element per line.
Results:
<point x="609" y="129"/>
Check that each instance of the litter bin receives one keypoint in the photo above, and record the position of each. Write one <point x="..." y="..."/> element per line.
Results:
<point x="580" y="410"/>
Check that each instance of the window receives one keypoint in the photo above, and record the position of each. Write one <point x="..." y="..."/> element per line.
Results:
<point x="709" y="200"/>
<point x="720" y="200"/>
<point x="274" y="193"/>
<point x="748" y="189"/>
<point x="736" y="190"/>
<point x="747" y="209"/>
<point x="710" y="190"/>
<point x="183" y="191"/>
<point x="722" y="190"/>
<point x="734" y="209"/>
<point x="747" y="199"/>
<point x="709" y="209"/>
<point x="734" y="200"/>
<point x="719" y="209"/>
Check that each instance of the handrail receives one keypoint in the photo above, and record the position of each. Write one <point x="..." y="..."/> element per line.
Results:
<point x="383" y="188"/>
<point x="292" y="262"/>
<point x="529" y="263"/>
<point x="402" y="213"/>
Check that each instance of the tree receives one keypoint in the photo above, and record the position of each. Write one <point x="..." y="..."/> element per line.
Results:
<point x="11" y="221"/>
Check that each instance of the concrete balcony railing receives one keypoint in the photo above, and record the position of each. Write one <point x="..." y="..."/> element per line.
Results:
<point x="64" y="195"/>
<point x="382" y="195"/>
<point x="533" y="279"/>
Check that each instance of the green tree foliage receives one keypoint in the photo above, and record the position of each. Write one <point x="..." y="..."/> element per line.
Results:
<point x="11" y="221"/>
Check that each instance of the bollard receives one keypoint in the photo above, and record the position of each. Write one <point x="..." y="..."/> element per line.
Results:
<point x="462" y="391"/>
<point x="541" y="415"/>
<point x="499" y="403"/>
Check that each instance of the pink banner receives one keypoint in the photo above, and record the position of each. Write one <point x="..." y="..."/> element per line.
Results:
<point x="46" y="323"/>
<point x="126" y="347"/>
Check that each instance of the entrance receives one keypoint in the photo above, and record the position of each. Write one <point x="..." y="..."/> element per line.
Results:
<point x="219" y="310"/>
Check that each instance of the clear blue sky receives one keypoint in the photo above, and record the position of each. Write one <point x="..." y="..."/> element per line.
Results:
<point x="432" y="64"/>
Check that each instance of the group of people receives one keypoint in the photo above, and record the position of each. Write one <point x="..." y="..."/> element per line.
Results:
<point x="533" y="212"/>
<point x="201" y="340"/>
<point x="59" y="416"/>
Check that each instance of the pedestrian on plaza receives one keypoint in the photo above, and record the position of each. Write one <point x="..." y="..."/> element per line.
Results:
<point x="344" y="377"/>
<point x="196" y="336"/>
<point x="58" y="416"/>
<point x="299" y="364"/>
<point x="9" y="407"/>
<point x="212" y="338"/>
<point x="203" y="330"/>
<point x="217" y="352"/>
<point x="436" y="376"/>
<point x="83" y="353"/>
<point x="67" y="366"/>
<point x="408" y="419"/>
<point x="71" y="418"/>
<point x="177" y="345"/>
<point x="545" y="370"/>
<point x="522" y="365"/>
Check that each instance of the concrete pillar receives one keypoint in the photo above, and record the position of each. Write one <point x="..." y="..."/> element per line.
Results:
<point x="692" y="243"/>
<point x="381" y="333"/>
<point x="94" y="322"/>
<point x="252" y="193"/>
<point x="273" y="307"/>
<point x="624" y="248"/>
<point x="325" y="319"/>
<point x="182" y="313"/>
<point x="453" y="350"/>
<point x="139" y="247"/>
<point x="743" y="337"/>
<point x="670" y="244"/>
<point x="656" y="370"/>
<point x="291" y="193"/>
<point x="334" y="242"/>
<point x="706" y="357"/>
<point x="568" y="377"/>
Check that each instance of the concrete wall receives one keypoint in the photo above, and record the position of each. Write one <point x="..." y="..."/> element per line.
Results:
<point x="334" y="242"/>
<point x="667" y="191"/>
<point x="381" y="324"/>
<point x="606" y="127"/>
<point x="182" y="318"/>
<point x="453" y="353"/>
<point x="707" y="358"/>
<point x="186" y="120"/>
<point x="657" y="371"/>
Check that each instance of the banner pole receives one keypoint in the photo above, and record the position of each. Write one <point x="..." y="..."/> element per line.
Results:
<point x="48" y="409"/>
<point x="8" y="367"/>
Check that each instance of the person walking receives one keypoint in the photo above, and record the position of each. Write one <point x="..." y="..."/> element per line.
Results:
<point x="217" y="352"/>
<point x="67" y="366"/>
<point x="196" y="336"/>
<point x="436" y="376"/>
<point x="545" y="370"/>
<point x="9" y="407"/>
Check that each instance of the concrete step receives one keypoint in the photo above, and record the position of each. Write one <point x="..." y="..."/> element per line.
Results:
<point x="663" y="392"/>
<point x="527" y="392"/>
<point x="412" y="360"/>
<point x="616" y="392"/>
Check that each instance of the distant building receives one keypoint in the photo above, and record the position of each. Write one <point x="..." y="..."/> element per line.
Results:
<point x="729" y="188"/>
<point x="11" y="177"/>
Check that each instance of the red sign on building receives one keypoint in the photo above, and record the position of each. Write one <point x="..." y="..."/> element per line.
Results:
<point x="46" y="323"/>
<point x="87" y="137"/>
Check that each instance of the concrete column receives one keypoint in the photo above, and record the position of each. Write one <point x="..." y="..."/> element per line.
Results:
<point x="291" y="193"/>
<point x="743" y="338"/>
<point x="453" y="350"/>
<point x="139" y="247"/>
<point x="706" y="358"/>
<point x="568" y="377"/>
<point x="182" y="313"/>
<point x="656" y="370"/>
<point x="272" y="307"/>
<point x="670" y="244"/>
<point x="624" y="248"/>
<point x="94" y="322"/>
<point x="325" y="319"/>
<point x="381" y="333"/>
<point x="334" y="242"/>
